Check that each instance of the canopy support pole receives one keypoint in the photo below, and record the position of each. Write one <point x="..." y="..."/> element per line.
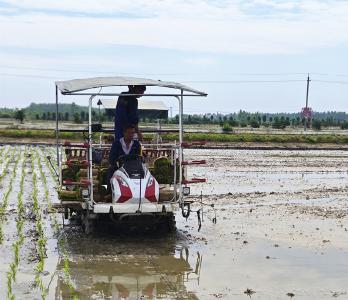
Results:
<point x="90" y="161"/>
<point x="181" y="137"/>
<point x="57" y="130"/>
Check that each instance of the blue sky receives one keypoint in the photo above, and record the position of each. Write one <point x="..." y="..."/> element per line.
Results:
<point x="252" y="55"/>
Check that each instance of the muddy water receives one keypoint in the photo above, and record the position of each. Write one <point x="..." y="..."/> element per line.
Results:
<point x="281" y="231"/>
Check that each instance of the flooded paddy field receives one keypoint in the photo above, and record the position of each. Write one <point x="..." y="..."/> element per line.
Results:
<point x="281" y="233"/>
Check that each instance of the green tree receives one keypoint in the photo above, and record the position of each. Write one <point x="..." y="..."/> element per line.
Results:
<point x="73" y="108"/>
<point x="77" y="118"/>
<point x="254" y="124"/>
<point x="316" y="124"/>
<point x="82" y="114"/>
<point x="233" y="122"/>
<point x="19" y="115"/>
<point x="94" y="115"/>
<point x="226" y="127"/>
<point x="278" y="123"/>
<point x="344" y="125"/>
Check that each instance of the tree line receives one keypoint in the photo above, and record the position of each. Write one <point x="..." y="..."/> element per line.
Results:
<point x="79" y="114"/>
<point x="274" y="120"/>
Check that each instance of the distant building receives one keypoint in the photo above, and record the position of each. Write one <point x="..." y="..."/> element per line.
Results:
<point x="147" y="109"/>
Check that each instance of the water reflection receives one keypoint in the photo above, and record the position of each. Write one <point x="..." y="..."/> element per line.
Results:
<point x="145" y="273"/>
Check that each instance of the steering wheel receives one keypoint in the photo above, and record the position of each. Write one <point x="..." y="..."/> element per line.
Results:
<point x="128" y="157"/>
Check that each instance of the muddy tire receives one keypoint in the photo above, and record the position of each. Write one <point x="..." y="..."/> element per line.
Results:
<point x="87" y="224"/>
<point x="66" y="213"/>
<point x="88" y="227"/>
<point x="171" y="223"/>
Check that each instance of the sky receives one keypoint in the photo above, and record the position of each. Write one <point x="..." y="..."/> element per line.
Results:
<point x="252" y="55"/>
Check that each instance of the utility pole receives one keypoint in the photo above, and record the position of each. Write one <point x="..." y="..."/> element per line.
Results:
<point x="306" y="111"/>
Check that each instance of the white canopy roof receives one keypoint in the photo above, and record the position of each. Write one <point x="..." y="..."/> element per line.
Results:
<point x="142" y="104"/>
<point x="77" y="85"/>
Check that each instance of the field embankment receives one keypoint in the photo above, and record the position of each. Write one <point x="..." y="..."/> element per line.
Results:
<point x="213" y="140"/>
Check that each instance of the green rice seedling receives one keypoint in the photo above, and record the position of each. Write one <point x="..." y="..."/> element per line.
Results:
<point x="44" y="180"/>
<point x="67" y="277"/>
<point x="5" y="167"/>
<point x="41" y="243"/>
<point x="9" y="284"/>
<point x="4" y="154"/>
<point x="16" y="248"/>
<point x="13" y="269"/>
<point x="49" y="167"/>
<point x="40" y="285"/>
<point x="4" y="201"/>
<point x="66" y="266"/>
<point x="19" y="225"/>
<point x="1" y="235"/>
<point x="40" y="267"/>
<point x="2" y="150"/>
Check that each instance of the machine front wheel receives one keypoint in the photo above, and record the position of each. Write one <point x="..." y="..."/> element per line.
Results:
<point x="87" y="224"/>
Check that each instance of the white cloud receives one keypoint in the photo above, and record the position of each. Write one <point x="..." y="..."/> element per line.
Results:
<point x="195" y="25"/>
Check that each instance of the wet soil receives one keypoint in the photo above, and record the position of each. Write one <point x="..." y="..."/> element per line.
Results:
<point x="281" y="232"/>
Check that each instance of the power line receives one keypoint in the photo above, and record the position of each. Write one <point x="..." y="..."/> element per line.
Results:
<point x="85" y="71"/>
<point x="332" y="81"/>
<point x="193" y="81"/>
<point x="28" y="75"/>
<point x="243" y="81"/>
<point x="167" y="74"/>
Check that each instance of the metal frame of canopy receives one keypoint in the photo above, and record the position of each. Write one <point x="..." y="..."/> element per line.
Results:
<point x="93" y="83"/>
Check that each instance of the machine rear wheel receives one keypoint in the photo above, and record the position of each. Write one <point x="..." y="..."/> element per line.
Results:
<point x="171" y="223"/>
